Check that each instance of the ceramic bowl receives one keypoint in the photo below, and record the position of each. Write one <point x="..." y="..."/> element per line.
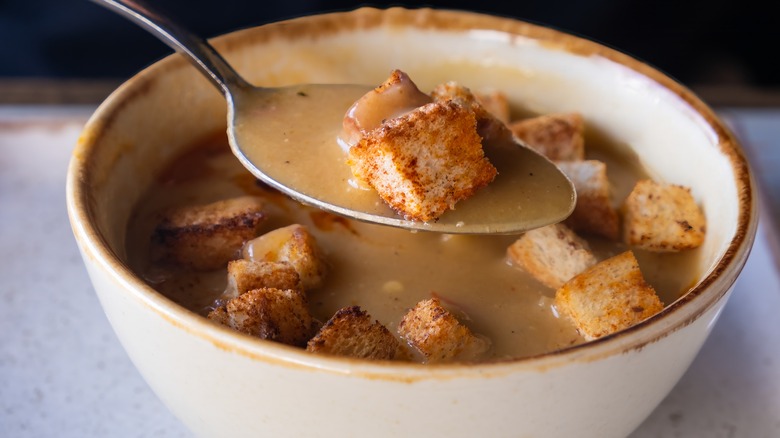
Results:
<point x="220" y="383"/>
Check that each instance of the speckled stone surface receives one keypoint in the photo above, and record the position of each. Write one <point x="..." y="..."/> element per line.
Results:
<point x="64" y="374"/>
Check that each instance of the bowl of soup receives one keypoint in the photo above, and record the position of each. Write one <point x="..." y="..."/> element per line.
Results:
<point x="158" y="143"/>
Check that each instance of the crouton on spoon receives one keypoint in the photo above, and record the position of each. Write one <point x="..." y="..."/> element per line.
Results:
<point x="286" y="137"/>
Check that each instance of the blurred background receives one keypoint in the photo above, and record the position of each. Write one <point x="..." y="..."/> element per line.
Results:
<point x="724" y="49"/>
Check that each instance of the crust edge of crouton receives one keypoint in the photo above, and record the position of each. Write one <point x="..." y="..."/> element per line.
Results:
<point x="594" y="213"/>
<point x="552" y="254"/>
<point x="268" y="313"/>
<point x="434" y="332"/>
<point x="244" y="275"/>
<point x="590" y="302"/>
<point x="662" y="217"/>
<point x="489" y="126"/>
<point x="408" y="176"/>
<point x="351" y="332"/>
<point x="558" y="136"/>
<point x="206" y="236"/>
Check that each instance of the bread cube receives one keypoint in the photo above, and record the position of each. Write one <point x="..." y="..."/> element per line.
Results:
<point x="295" y="246"/>
<point x="245" y="275"/>
<point x="552" y="254"/>
<point x="559" y="137"/>
<point x="425" y="161"/>
<point x="495" y="103"/>
<point x="489" y="126"/>
<point x="594" y="213"/>
<point x="206" y="237"/>
<point x="269" y="313"/>
<point x="610" y="296"/>
<point x="662" y="218"/>
<point x="438" y="335"/>
<point x="351" y="332"/>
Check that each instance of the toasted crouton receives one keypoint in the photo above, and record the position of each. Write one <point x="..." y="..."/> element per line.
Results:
<point x="609" y="297"/>
<point x="351" y="332"/>
<point x="489" y="126"/>
<point x="206" y="237"/>
<point x="268" y="313"/>
<point x="245" y="275"/>
<point x="425" y="161"/>
<point x="594" y="213"/>
<point x="552" y="254"/>
<point x="293" y="245"/>
<point x="396" y="95"/>
<point x="556" y="136"/>
<point x="438" y="335"/>
<point x="662" y="218"/>
<point x="495" y="103"/>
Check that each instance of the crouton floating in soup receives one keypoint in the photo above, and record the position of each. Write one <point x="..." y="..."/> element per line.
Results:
<point x="252" y="260"/>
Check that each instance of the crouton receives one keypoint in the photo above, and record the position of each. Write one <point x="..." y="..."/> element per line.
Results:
<point x="610" y="296"/>
<point x="594" y="213"/>
<point x="206" y="237"/>
<point x="438" y="335"/>
<point x="425" y="161"/>
<point x="558" y="137"/>
<point x="245" y="275"/>
<point x="219" y="315"/>
<point x="350" y="332"/>
<point x="293" y="245"/>
<point x="552" y="254"/>
<point x="397" y="95"/>
<point x="489" y="126"/>
<point x="662" y="218"/>
<point x="269" y="313"/>
<point x="495" y="103"/>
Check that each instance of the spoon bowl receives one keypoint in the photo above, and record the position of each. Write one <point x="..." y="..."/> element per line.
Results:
<point x="287" y="138"/>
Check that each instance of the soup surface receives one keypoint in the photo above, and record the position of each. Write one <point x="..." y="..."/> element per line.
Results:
<point x="387" y="270"/>
<point x="278" y="134"/>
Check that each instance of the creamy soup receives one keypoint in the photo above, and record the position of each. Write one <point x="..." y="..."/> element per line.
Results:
<point x="278" y="132"/>
<point x="388" y="270"/>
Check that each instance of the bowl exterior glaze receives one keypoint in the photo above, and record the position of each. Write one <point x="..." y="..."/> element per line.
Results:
<point x="221" y="383"/>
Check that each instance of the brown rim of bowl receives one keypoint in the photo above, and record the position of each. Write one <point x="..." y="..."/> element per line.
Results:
<point x="723" y="274"/>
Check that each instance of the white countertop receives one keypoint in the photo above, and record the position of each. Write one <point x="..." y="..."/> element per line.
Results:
<point x="64" y="374"/>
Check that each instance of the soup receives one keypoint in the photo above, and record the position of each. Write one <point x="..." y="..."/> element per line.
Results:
<point x="387" y="270"/>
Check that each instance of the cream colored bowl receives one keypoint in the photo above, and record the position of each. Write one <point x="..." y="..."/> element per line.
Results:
<point x="221" y="383"/>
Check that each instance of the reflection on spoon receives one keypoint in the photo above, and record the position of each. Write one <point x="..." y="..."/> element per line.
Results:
<point x="287" y="137"/>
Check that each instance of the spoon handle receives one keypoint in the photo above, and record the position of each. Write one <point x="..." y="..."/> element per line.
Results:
<point x="198" y="50"/>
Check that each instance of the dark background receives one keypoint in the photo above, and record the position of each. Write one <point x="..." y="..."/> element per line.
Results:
<point x="698" y="42"/>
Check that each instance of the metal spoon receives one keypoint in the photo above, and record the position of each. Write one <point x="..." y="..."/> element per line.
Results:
<point x="264" y="132"/>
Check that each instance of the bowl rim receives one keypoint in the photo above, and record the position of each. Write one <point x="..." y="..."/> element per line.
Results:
<point x="709" y="290"/>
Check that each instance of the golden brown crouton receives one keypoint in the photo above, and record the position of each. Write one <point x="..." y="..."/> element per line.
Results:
<point x="397" y="95"/>
<point x="438" y="335"/>
<point x="489" y="126"/>
<point x="219" y="315"/>
<point x="594" y="213"/>
<point x="495" y="103"/>
<point x="425" y="161"/>
<point x="552" y="254"/>
<point x="351" y="332"/>
<point x="662" y="218"/>
<point x="206" y="237"/>
<point x="245" y="275"/>
<point x="293" y="245"/>
<point x="558" y="137"/>
<point x="268" y="313"/>
<point x="610" y="296"/>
